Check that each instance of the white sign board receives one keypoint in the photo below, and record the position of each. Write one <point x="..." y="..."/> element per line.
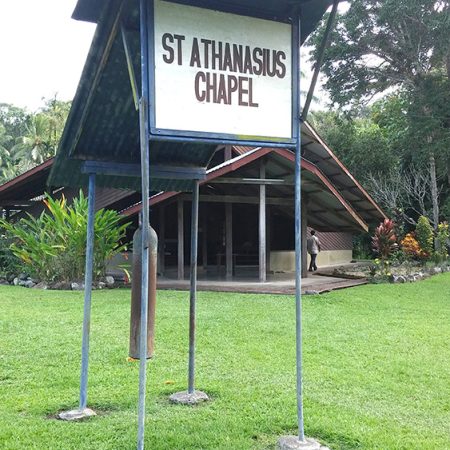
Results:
<point x="221" y="73"/>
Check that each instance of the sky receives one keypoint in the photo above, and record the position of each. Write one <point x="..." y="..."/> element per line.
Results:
<point x="43" y="51"/>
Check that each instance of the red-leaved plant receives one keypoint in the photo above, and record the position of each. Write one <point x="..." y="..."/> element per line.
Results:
<point x="384" y="242"/>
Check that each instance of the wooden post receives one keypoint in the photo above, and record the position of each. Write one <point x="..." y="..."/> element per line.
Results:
<point x="205" y="238"/>
<point x="304" y="238"/>
<point x="227" y="152"/>
<point x="268" y="236"/>
<point x="180" y="239"/>
<point x="229" y="240"/>
<point x="262" y="225"/>
<point x="162" y="239"/>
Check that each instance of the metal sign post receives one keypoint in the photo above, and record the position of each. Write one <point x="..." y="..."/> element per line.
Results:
<point x="299" y="442"/>
<point x="83" y="411"/>
<point x="145" y="178"/>
<point x="298" y="226"/>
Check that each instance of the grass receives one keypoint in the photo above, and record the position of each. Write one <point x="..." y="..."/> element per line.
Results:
<point x="376" y="370"/>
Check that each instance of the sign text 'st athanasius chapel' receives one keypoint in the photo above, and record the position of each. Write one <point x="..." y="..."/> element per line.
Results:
<point x="221" y="73"/>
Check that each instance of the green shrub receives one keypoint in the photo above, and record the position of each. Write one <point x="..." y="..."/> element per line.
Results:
<point x="442" y="237"/>
<point x="362" y="246"/>
<point x="9" y="263"/>
<point x="52" y="247"/>
<point x="424" y="235"/>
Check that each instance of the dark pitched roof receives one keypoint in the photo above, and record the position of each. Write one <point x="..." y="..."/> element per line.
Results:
<point x="319" y="161"/>
<point x="30" y="184"/>
<point x="317" y="151"/>
<point x="327" y="209"/>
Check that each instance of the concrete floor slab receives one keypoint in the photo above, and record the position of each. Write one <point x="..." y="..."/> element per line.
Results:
<point x="282" y="283"/>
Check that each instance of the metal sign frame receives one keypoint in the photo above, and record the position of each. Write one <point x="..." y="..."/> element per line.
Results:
<point x="159" y="134"/>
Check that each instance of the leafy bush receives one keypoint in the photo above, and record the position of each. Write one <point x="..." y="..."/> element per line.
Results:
<point x="52" y="247"/>
<point x="442" y="240"/>
<point x="384" y="242"/>
<point x="424" y="235"/>
<point x="9" y="263"/>
<point x="362" y="246"/>
<point x="410" y="246"/>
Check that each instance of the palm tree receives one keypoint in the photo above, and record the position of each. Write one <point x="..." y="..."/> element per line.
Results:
<point x="5" y="141"/>
<point x="35" y="145"/>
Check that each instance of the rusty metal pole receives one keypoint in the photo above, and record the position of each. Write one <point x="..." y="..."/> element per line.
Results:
<point x="136" y="289"/>
<point x="193" y="289"/>
<point x="83" y="411"/>
<point x="192" y="396"/>
<point x="87" y="292"/>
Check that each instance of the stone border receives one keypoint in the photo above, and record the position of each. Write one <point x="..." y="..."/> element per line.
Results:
<point x="24" y="280"/>
<point x="417" y="276"/>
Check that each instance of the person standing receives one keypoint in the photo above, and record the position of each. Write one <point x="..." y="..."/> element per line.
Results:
<point x="313" y="246"/>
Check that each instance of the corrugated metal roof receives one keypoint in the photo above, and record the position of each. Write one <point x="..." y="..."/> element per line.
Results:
<point x="327" y="209"/>
<point x="314" y="149"/>
<point x="26" y="186"/>
<point x="317" y="151"/>
<point x="241" y="149"/>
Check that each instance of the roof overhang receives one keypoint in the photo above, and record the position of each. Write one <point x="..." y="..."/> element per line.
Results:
<point x="315" y="149"/>
<point x="18" y="192"/>
<point x="327" y="208"/>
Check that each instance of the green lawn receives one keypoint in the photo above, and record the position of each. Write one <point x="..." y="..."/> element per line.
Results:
<point x="376" y="369"/>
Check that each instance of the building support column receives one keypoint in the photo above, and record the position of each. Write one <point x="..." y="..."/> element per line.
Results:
<point x="262" y="225"/>
<point x="229" y="240"/>
<point x="268" y="236"/>
<point x="205" y="238"/>
<point x="180" y="211"/>
<point x="304" y="238"/>
<point x="228" y="152"/>
<point x="162" y="240"/>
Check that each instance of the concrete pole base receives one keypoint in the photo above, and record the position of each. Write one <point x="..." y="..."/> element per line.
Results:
<point x="184" y="398"/>
<point x="76" y="414"/>
<point x="294" y="443"/>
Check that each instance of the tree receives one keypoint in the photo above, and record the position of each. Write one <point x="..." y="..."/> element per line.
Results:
<point x="381" y="45"/>
<point x="5" y="140"/>
<point x="361" y="144"/>
<point x="34" y="145"/>
<point x="14" y="119"/>
<point x="56" y="112"/>
<point x="28" y="139"/>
